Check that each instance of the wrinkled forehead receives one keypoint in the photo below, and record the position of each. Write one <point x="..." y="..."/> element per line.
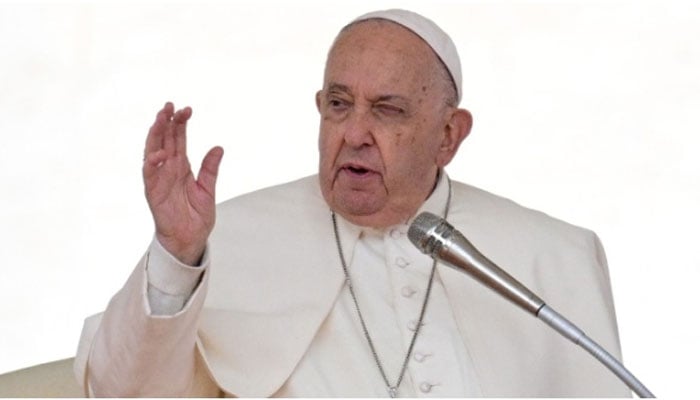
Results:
<point x="385" y="56"/>
<point x="382" y="34"/>
<point x="388" y="32"/>
<point x="442" y="46"/>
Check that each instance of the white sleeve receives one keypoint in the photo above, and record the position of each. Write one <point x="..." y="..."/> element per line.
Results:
<point x="130" y="352"/>
<point x="170" y="282"/>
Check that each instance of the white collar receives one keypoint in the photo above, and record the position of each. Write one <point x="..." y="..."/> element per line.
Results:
<point x="350" y="233"/>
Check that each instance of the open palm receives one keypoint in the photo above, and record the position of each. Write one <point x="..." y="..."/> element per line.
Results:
<point x="183" y="208"/>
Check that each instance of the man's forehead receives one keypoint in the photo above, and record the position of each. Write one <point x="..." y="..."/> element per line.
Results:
<point x="430" y="33"/>
<point x="379" y="53"/>
<point x="380" y="30"/>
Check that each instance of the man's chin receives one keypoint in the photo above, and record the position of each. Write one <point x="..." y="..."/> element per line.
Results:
<point x="367" y="214"/>
<point x="356" y="207"/>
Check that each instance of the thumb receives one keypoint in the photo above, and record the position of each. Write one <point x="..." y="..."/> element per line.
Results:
<point x="210" y="170"/>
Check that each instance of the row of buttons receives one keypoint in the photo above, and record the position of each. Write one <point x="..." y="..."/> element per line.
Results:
<point x="408" y="292"/>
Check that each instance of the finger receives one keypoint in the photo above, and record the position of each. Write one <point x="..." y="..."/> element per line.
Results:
<point x="183" y="115"/>
<point x="154" y="140"/>
<point x="152" y="163"/>
<point x="210" y="170"/>
<point x="168" y="131"/>
<point x="180" y="130"/>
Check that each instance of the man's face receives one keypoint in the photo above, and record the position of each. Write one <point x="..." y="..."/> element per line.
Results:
<point x="383" y="124"/>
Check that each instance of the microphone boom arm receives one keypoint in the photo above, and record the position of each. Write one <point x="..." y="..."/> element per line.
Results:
<point x="567" y="329"/>
<point x="436" y="237"/>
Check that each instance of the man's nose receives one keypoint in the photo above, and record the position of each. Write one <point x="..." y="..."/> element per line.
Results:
<point x="359" y="130"/>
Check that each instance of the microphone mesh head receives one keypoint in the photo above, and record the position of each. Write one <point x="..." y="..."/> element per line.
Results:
<point x="422" y="229"/>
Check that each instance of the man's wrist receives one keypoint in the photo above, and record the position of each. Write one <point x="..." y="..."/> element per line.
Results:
<point x="191" y="256"/>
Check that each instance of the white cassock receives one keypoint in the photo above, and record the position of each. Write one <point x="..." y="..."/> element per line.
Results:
<point x="268" y="312"/>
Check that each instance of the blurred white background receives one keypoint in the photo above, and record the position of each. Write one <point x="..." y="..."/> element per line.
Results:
<point x="588" y="111"/>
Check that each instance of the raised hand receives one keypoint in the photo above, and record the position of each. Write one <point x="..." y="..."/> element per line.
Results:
<point x="184" y="209"/>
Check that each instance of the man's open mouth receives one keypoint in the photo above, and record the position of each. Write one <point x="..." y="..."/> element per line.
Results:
<point x="357" y="170"/>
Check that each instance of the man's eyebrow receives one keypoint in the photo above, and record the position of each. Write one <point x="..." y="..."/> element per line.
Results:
<point x="337" y="87"/>
<point x="393" y="97"/>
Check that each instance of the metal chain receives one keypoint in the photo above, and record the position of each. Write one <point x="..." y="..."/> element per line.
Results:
<point x="393" y="390"/>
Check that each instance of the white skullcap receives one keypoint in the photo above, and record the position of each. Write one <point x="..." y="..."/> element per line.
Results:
<point x="431" y="33"/>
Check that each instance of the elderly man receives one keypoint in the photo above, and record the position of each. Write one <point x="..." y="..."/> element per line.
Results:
<point x="312" y="288"/>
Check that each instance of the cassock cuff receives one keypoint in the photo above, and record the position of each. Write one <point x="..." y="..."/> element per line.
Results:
<point x="167" y="274"/>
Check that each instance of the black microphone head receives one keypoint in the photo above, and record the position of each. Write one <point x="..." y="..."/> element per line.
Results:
<point x="428" y="231"/>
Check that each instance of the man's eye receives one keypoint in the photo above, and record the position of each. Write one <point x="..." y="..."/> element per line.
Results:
<point x="338" y="105"/>
<point x="389" y="109"/>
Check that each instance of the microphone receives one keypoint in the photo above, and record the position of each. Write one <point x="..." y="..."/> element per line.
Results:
<point x="434" y="236"/>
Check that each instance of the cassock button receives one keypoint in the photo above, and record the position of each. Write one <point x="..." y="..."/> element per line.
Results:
<point x="401" y="262"/>
<point x="420" y="357"/>
<point x="426" y="387"/>
<point x="407" y="291"/>
<point x="413" y="325"/>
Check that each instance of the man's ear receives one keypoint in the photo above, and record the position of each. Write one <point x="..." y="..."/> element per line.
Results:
<point x="318" y="100"/>
<point x="457" y="128"/>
